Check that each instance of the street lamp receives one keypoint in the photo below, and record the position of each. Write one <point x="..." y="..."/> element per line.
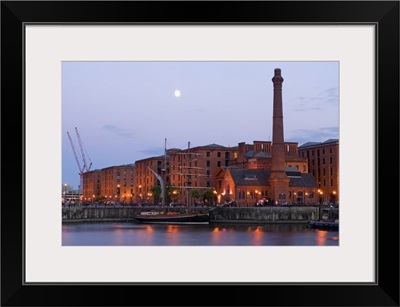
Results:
<point x="334" y="198"/>
<point x="215" y="195"/>
<point x="320" y="196"/>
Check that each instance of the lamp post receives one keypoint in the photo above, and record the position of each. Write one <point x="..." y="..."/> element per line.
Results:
<point x="320" y="193"/>
<point x="334" y="198"/>
<point x="139" y="193"/>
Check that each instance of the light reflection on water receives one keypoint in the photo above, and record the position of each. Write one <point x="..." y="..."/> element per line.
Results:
<point x="133" y="234"/>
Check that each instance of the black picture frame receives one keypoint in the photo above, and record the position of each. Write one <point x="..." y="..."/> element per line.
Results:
<point x="383" y="14"/>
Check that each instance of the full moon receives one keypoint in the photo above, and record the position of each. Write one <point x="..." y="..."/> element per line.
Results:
<point x="177" y="93"/>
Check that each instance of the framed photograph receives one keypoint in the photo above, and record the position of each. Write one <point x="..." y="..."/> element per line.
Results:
<point x="53" y="51"/>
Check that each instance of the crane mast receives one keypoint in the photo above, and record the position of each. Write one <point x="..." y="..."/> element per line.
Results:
<point x="85" y="167"/>
<point x="77" y="162"/>
<point x="75" y="155"/>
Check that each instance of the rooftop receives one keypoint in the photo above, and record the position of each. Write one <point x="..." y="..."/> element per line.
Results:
<point x="311" y="144"/>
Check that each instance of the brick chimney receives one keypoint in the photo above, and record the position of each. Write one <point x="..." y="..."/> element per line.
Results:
<point x="279" y="181"/>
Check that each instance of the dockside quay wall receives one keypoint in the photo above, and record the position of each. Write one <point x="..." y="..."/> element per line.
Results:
<point x="265" y="214"/>
<point x="296" y="214"/>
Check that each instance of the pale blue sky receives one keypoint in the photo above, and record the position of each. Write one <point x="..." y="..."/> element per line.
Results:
<point x="125" y="110"/>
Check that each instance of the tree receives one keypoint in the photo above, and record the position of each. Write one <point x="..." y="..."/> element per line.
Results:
<point x="172" y="193"/>
<point x="156" y="191"/>
<point x="194" y="194"/>
<point x="209" y="196"/>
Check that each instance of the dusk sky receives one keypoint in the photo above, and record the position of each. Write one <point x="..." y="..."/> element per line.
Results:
<point x="125" y="110"/>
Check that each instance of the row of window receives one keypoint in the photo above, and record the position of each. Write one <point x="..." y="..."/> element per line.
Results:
<point x="323" y="161"/>
<point x="313" y="152"/>
<point x="227" y="154"/>
<point x="324" y="183"/>
<point x="323" y="172"/>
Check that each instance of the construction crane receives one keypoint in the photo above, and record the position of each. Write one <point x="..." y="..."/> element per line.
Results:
<point x="77" y="160"/>
<point x="84" y="167"/>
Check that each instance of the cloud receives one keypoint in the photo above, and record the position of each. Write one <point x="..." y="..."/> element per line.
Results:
<point x="329" y="96"/>
<point x="119" y="131"/>
<point x="302" y="136"/>
<point x="151" y="152"/>
<point x="304" y="107"/>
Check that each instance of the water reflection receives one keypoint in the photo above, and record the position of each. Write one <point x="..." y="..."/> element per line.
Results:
<point x="321" y="236"/>
<point x="132" y="234"/>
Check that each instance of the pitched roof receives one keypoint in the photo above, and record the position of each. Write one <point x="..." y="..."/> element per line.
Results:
<point x="319" y="143"/>
<point x="213" y="145"/>
<point x="292" y="172"/>
<point x="310" y="144"/>
<point x="249" y="177"/>
<point x="262" y="154"/>
<point x="260" y="177"/>
<point x="331" y="141"/>
<point x="305" y="180"/>
<point x="249" y="154"/>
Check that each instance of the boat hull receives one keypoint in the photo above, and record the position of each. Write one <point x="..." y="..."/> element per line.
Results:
<point x="174" y="219"/>
<point x="324" y="224"/>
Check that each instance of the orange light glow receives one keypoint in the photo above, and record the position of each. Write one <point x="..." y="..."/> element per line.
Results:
<point x="321" y="237"/>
